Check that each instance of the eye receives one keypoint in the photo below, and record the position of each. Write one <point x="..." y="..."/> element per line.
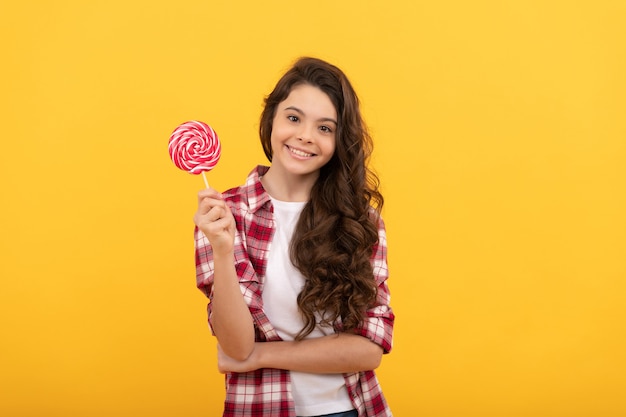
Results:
<point x="293" y="118"/>
<point x="326" y="129"/>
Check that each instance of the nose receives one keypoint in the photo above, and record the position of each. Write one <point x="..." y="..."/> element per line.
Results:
<point x="305" y="134"/>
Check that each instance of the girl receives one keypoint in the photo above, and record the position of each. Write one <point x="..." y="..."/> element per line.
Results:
<point x="294" y="261"/>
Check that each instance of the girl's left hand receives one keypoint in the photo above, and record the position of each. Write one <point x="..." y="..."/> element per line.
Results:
<point x="227" y="364"/>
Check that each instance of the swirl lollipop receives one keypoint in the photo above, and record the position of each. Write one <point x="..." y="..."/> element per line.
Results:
<point x="194" y="147"/>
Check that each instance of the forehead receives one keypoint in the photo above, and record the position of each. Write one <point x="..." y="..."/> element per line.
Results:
<point x="311" y="100"/>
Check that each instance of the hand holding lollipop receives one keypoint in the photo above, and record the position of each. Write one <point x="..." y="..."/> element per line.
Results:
<point x="194" y="147"/>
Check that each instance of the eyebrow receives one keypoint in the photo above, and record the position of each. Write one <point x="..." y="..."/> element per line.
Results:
<point x="323" y="119"/>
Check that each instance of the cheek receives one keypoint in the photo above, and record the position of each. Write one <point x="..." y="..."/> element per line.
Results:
<point x="276" y="134"/>
<point x="277" y="137"/>
<point x="279" y="129"/>
<point x="273" y="141"/>
<point x="332" y="146"/>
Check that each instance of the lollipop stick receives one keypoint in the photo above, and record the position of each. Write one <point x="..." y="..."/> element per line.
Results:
<point x="205" y="181"/>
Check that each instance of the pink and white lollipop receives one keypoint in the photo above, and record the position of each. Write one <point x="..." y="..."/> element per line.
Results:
<point x="194" y="147"/>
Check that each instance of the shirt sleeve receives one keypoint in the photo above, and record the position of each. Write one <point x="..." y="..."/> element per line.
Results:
<point x="378" y="323"/>
<point x="205" y="269"/>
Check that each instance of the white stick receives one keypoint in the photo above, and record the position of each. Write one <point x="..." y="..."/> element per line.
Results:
<point x="205" y="181"/>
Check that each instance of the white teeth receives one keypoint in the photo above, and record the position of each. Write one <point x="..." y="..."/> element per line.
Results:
<point x="299" y="153"/>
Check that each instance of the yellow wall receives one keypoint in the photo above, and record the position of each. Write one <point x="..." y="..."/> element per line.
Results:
<point x="500" y="136"/>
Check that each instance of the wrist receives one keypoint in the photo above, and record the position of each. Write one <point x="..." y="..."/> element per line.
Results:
<point x="223" y="255"/>
<point x="259" y="355"/>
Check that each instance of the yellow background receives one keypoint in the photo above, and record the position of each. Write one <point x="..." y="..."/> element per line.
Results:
<point x="500" y="135"/>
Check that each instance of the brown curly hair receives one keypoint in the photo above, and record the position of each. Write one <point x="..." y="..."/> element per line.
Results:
<point x="333" y="241"/>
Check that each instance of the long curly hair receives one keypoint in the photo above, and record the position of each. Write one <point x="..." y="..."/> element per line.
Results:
<point x="334" y="237"/>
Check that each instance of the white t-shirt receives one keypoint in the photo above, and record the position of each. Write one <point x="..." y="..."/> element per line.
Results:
<point x="314" y="394"/>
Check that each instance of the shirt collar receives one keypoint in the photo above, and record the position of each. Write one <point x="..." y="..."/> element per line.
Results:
<point x="254" y="191"/>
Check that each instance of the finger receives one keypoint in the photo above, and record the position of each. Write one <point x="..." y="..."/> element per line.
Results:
<point x="215" y="220"/>
<point x="218" y="211"/>
<point x="209" y="193"/>
<point x="218" y="226"/>
<point x="208" y="203"/>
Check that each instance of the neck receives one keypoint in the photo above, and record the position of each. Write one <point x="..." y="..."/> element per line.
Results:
<point x="288" y="187"/>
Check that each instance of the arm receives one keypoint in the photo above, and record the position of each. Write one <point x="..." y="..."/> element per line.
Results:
<point x="337" y="353"/>
<point x="230" y="317"/>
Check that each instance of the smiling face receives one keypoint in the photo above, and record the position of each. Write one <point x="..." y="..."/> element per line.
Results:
<point x="303" y="132"/>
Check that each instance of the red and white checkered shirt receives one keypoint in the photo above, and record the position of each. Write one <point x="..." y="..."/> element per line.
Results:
<point x="267" y="392"/>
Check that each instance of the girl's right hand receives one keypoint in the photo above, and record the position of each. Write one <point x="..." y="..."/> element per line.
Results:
<point x="215" y="220"/>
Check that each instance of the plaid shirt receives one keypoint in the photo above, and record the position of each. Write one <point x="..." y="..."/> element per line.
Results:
<point x="267" y="392"/>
